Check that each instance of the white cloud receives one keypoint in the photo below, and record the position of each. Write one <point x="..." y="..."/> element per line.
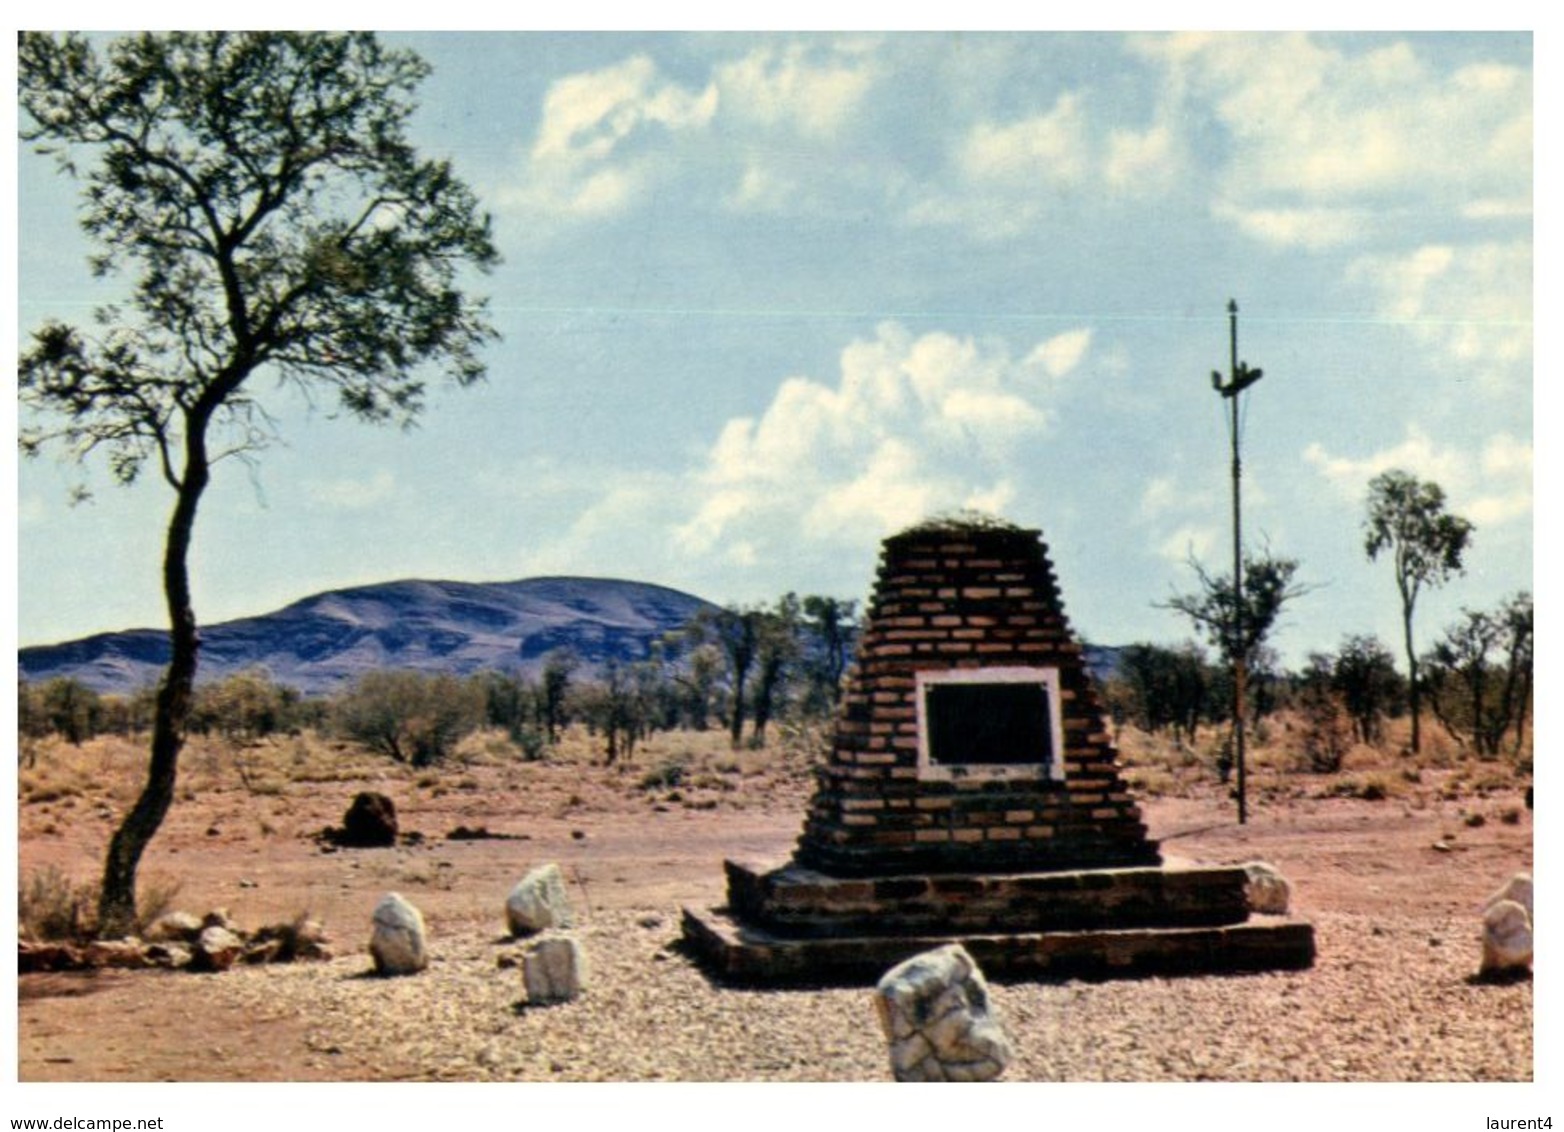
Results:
<point x="1141" y="160"/>
<point x="1046" y="149"/>
<point x="810" y="92"/>
<point x="1191" y="541"/>
<point x="587" y="159"/>
<point x="754" y="137"/>
<point x="1063" y="353"/>
<point x="1004" y="176"/>
<point x="1490" y="486"/>
<point x="1314" y="229"/>
<point x="1318" y="134"/>
<point x="1416" y="454"/>
<point x="1471" y="307"/>
<point x="913" y="425"/>
<point x="586" y="116"/>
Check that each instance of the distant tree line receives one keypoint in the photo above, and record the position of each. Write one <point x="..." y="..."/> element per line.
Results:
<point x="1476" y="680"/>
<point x="741" y="668"/>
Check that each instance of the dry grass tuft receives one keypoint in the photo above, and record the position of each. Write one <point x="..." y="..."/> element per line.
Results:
<point x="53" y="906"/>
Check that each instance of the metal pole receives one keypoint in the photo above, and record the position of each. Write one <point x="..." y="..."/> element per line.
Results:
<point x="1240" y="666"/>
<point x="1240" y="377"/>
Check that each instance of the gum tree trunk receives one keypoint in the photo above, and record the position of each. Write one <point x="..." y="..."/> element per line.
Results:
<point x="117" y="896"/>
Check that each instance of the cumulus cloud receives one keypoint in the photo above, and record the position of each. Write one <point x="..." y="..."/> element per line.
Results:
<point x="587" y="159"/>
<point x="1048" y="148"/>
<point x="1490" y="485"/>
<point x="912" y="425"/>
<point x="1318" y="134"/>
<point x="609" y="138"/>
<point x="806" y="89"/>
<point x="1004" y="175"/>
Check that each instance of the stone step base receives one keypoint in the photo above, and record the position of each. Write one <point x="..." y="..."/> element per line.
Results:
<point x="797" y="901"/>
<point x="739" y="953"/>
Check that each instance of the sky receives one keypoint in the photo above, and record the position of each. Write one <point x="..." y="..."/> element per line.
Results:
<point x="767" y="299"/>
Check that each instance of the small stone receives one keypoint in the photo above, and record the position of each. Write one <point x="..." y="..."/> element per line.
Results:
<point x="1518" y="888"/>
<point x="1507" y="944"/>
<point x="1266" y="891"/>
<point x="184" y="927"/>
<point x="33" y="955"/>
<point x="538" y="902"/>
<point x="397" y="943"/>
<point x="125" y="953"/>
<point x="217" y="949"/>
<point x="554" y="969"/>
<point x="172" y="955"/>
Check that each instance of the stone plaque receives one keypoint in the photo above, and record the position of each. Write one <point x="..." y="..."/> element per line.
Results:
<point x="995" y="723"/>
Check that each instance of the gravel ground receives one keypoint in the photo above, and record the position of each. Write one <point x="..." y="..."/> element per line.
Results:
<point x="1388" y="1000"/>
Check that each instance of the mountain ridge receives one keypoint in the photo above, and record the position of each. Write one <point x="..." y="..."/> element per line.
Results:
<point x="326" y="640"/>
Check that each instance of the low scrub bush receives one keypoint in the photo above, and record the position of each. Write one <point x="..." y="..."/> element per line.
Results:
<point x="664" y="776"/>
<point x="53" y="906"/>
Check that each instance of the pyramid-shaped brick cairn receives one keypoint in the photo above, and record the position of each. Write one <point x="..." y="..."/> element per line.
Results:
<point x="972" y="795"/>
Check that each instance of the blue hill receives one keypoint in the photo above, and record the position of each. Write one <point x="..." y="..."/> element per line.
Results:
<point x="322" y="642"/>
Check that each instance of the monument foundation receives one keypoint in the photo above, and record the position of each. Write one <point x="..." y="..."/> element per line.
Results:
<point x="973" y="795"/>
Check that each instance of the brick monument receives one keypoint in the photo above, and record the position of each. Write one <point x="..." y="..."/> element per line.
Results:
<point x="972" y="794"/>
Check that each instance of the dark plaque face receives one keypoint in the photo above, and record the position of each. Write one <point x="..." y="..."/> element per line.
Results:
<point x="1002" y="724"/>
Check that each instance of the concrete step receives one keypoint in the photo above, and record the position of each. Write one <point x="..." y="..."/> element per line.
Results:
<point x="743" y="954"/>
<point x="796" y="901"/>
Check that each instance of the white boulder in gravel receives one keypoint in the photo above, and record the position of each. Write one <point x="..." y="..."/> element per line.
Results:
<point x="554" y="969"/>
<point x="538" y="902"/>
<point x="1266" y="890"/>
<point x="175" y="927"/>
<point x="1506" y="938"/>
<point x="936" y="1015"/>
<point x="397" y="943"/>
<point x="216" y="949"/>
<point x="1518" y="889"/>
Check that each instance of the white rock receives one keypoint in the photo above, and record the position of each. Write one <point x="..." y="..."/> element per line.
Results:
<point x="217" y="949"/>
<point x="181" y="927"/>
<point x="935" y="1012"/>
<point x="397" y="943"/>
<point x="554" y="969"/>
<point x="1506" y="938"/>
<point x="1518" y="889"/>
<point x="538" y="902"/>
<point x="1266" y="890"/>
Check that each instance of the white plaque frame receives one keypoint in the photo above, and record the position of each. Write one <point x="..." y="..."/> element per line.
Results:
<point x="1048" y="678"/>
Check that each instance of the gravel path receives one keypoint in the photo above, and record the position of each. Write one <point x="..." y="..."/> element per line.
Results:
<point x="1388" y="1000"/>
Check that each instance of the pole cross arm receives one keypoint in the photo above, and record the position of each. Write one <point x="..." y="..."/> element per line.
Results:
<point x="1242" y="379"/>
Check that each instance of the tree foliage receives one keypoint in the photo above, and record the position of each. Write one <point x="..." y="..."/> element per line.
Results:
<point x="259" y="195"/>
<point x="413" y="717"/>
<point x="1161" y="688"/>
<point x="1269" y="584"/>
<point x="1363" y="675"/>
<point x="1479" y="675"/>
<point x="1407" y="520"/>
<point x="1326" y="730"/>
